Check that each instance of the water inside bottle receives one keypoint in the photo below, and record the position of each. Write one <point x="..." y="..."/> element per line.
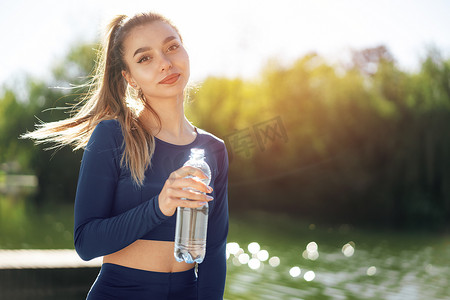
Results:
<point x="190" y="236"/>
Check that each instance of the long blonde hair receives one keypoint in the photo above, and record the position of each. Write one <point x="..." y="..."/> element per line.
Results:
<point x="109" y="97"/>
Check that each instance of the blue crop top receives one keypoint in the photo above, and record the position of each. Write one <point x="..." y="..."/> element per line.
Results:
<point x="111" y="211"/>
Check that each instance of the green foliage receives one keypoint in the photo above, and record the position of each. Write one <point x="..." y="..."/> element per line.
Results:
<point x="367" y="144"/>
<point x="57" y="171"/>
<point x="362" y="143"/>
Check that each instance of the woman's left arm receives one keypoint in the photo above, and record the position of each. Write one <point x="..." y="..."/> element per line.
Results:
<point x="212" y="271"/>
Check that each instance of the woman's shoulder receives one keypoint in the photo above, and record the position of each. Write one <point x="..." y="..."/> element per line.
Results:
<point x="109" y="127"/>
<point x="208" y="136"/>
<point x="107" y="132"/>
<point x="216" y="144"/>
<point x="111" y="124"/>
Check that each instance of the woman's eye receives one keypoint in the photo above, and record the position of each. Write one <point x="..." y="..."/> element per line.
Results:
<point x="143" y="59"/>
<point x="173" y="47"/>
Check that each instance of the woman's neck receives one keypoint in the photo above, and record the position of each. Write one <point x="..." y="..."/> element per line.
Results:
<point x="174" y="125"/>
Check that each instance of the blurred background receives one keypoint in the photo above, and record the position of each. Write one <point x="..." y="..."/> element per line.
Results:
<point x="336" y="116"/>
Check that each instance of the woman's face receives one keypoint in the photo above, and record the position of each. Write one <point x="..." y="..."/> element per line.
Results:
<point x="157" y="61"/>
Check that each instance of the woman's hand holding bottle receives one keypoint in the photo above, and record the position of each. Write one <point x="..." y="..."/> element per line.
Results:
<point x="179" y="191"/>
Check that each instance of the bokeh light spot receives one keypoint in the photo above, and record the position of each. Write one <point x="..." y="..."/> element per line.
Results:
<point x="313" y="255"/>
<point x="262" y="255"/>
<point x="309" y="276"/>
<point x="311" y="251"/>
<point x="233" y="248"/>
<point x="254" y="263"/>
<point x="312" y="246"/>
<point x="371" y="271"/>
<point x="244" y="258"/>
<point x="348" y="250"/>
<point x="253" y="247"/>
<point x="274" y="261"/>
<point x="295" y="271"/>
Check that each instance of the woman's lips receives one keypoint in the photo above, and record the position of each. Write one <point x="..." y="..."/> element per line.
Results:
<point x="169" y="79"/>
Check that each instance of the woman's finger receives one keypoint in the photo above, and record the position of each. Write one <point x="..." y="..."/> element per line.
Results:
<point x="188" y="171"/>
<point x="190" y="182"/>
<point x="191" y="204"/>
<point x="190" y="195"/>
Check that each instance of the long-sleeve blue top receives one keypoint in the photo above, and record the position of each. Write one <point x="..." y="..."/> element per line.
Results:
<point x="111" y="211"/>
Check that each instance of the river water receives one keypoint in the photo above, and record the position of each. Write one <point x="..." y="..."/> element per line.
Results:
<point x="280" y="257"/>
<point x="283" y="258"/>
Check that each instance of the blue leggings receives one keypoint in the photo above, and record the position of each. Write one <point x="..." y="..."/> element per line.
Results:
<point x="119" y="282"/>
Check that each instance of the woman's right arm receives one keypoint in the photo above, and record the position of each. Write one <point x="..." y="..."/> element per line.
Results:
<point x="96" y="233"/>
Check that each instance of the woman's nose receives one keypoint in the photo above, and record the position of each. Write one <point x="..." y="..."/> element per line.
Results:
<point x="166" y="63"/>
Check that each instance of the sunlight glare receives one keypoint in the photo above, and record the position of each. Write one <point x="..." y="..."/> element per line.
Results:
<point x="274" y="261"/>
<point x="253" y="247"/>
<point x="233" y="248"/>
<point x="371" y="271"/>
<point x="312" y="247"/>
<point x="244" y="258"/>
<point x="262" y="255"/>
<point x="254" y="264"/>
<point x="348" y="250"/>
<point x="295" y="272"/>
<point x="311" y="251"/>
<point x="309" y="276"/>
<point x="313" y="255"/>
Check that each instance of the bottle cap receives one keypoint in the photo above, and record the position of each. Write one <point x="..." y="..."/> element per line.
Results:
<point x="198" y="151"/>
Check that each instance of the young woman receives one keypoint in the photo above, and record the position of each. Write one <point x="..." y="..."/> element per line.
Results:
<point x="136" y="139"/>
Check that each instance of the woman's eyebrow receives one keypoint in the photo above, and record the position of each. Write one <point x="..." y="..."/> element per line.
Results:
<point x="168" y="39"/>
<point x="143" y="49"/>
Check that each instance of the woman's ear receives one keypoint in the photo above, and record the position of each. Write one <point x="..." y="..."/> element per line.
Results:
<point x="128" y="78"/>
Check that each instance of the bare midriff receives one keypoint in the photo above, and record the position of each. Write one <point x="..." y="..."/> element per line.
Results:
<point x="149" y="255"/>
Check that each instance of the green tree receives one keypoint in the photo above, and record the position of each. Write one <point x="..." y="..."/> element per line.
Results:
<point x="56" y="170"/>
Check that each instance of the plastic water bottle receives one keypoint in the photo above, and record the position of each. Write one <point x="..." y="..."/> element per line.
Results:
<point x="192" y="223"/>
